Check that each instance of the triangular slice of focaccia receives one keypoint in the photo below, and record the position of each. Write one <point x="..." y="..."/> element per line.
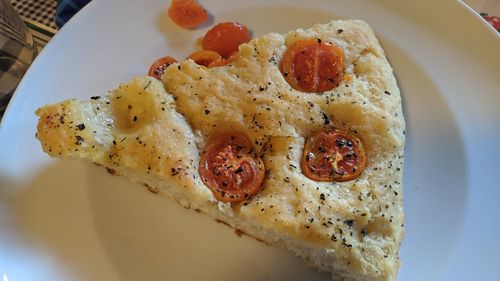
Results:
<point x="156" y="133"/>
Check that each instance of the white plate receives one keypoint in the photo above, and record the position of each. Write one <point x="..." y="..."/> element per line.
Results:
<point x="62" y="220"/>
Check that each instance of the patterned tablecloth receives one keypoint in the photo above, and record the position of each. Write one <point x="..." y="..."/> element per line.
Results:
<point x="39" y="15"/>
<point x="41" y="11"/>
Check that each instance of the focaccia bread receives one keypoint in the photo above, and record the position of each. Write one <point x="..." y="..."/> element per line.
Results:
<point x="154" y="133"/>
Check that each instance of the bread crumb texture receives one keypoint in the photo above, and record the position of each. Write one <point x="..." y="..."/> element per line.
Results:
<point x="153" y="132"/>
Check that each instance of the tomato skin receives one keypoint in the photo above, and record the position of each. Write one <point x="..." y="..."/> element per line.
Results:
<point x="333" y="155"/>
<point x="225" y="38"/>
<point x="187" y="13"/>
<point x="230" y="168"/>
<point x="313" y="66"/>
<point x="158" y="67"/>
<point x="206" y="58"/>
<point x="226" y="61"/>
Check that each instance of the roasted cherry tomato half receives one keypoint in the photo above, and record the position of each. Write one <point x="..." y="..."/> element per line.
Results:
<point x="333" y="155"/>
<point x="230" y="167"/>
<point x="158" y="67"/>
<point x="313" y="66"/>
<point x="226" y="61"/>
<point x="225" y="38"/>
<point x="206" y="58"/>
<point x="187" y="13"/>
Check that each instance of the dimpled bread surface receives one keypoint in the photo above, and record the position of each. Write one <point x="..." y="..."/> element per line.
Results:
<point x="154" y="132"/>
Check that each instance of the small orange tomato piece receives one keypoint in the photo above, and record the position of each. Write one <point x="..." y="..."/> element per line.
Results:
<point x="206" y="58"/>
<point x="313" y="66"/>
<point x="230" y="59"/>
<point x="230" y="167"/>
<point x="187" y="13"/>
<point x="225" y="38"/>
<point x="333" y="155"/>
<point x="158" y="67"/>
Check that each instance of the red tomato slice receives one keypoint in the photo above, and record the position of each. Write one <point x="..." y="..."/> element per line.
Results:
<point x="206" y="58"/>
<point x="230" y="167"/>
<point x="313" y="66"/>
<point x="225" y="38"/>
<point x="333" y="155"/>
<point x="187" y="13"/>
<point x="230" y="59"/>
<point x="158" y="67"/>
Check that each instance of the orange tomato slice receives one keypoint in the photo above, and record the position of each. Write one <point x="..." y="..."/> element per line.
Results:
<point x="313" y="66"/>
<point x="206" y="58"/>
<point x="158" y="67"/>
<point x="187" y="13"/>
<point x="333" y="155"/>
<point x="230" y="167"/>
<point x="226" y="61"/>
<point x="225" y="38"/>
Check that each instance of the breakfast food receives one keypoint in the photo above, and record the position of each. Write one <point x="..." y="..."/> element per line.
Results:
<point x="311" y="163"/>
